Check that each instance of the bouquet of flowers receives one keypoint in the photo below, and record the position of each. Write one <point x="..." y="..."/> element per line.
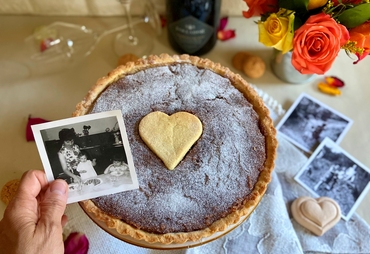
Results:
<point x="314" y="30"/>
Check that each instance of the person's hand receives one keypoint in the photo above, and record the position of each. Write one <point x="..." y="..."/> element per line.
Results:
<point x="33" y="221"/>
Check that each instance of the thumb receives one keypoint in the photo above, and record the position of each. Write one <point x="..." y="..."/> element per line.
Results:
<point x="53" y="203"/>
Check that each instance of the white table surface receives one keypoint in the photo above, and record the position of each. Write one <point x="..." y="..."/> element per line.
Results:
<point x="54" y="96"/>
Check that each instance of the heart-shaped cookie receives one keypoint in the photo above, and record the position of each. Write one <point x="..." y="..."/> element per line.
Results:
<point x="317" y="215"/>
<point x="170" y="137"/>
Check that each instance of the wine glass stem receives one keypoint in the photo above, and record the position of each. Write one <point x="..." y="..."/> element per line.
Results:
<point x="132" y="38"/>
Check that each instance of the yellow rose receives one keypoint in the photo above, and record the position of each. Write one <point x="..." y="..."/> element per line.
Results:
<point x="277" y="30"/>
<point x="313" y="4"/>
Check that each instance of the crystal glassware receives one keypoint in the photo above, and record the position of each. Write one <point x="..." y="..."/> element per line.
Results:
<point x="59" y="45"/>
<point x="135" y="40"/>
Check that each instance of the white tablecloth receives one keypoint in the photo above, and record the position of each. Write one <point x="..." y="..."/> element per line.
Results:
<point x="269" y="229"/>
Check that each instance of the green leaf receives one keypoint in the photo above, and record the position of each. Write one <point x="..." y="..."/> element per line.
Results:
<point x="296" y="5"/>
<point x="297" y="23"/>
<point x="355" y="16"/>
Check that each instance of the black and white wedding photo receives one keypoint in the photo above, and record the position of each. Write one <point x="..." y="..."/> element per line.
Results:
<point x="333" y="173"/>
<point x="91" y="153"/>
<point x="308" y="121"/>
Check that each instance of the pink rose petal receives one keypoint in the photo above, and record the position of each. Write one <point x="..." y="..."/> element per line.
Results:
<point x="223" y="23"/>
<point x="334" y="81"/>
<point x="225" y="35"/>
<point x="32" y="121"/>
<point x="76" y="243"/>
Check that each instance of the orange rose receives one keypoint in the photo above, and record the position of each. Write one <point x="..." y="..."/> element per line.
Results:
<point x="258" y="7"/>
<point x="361" y="35"/>
<point x="317" y="43"/>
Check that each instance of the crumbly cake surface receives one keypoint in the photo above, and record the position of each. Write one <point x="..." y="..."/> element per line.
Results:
<point x="211" y="179"/>
<point x="222" y="177"/>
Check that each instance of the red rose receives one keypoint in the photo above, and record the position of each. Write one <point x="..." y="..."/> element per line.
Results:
<point x="317" y="43"/>
<point x="258" y="7"/>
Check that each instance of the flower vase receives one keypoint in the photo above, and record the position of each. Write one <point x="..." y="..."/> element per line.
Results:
<point x="281" y="65"/>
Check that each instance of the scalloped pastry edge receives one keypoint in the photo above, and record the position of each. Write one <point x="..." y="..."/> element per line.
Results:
<point x="265" y="122"/>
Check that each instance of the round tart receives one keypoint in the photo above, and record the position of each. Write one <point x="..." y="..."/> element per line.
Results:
<point x="221" y="178"/>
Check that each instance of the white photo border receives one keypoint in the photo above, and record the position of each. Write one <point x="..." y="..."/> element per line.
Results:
<point x="36" y="129"/>
<point x="287" y="115"/>
<point x="331" y="143"/>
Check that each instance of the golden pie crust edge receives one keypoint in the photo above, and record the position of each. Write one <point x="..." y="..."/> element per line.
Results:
<point x="266" y="126"/>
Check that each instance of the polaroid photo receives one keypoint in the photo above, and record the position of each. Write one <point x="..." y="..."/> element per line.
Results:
<point x="308" y="122"/>
<point x="91" y="153"/>
<point x="332" y="172"/>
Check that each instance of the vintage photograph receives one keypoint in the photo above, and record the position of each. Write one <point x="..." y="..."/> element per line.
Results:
<point x="91" y="153"/>
<point x="332" y="172"/>
<point x="309" y="121"/>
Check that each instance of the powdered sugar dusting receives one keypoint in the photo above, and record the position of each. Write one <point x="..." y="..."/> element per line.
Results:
<point x="218" y="172"/>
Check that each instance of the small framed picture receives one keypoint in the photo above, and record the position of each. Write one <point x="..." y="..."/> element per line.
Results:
<point x="309" y="121"/>
<point x="91" y="153"/>
<point x="332" y="172"/>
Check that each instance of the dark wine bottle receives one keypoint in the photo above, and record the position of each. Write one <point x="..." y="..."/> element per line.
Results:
<point x="192" y="25"/>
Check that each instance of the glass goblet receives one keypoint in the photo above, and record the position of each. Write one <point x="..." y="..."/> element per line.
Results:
<point x="132" y="40"/>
